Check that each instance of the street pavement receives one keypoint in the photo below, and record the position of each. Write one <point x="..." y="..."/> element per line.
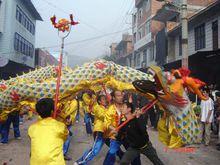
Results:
<point x="17" y="151"/>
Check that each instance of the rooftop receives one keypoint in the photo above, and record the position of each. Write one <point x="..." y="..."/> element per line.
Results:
<point x="29" y="5"/>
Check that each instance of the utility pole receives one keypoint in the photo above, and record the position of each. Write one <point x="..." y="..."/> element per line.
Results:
<point x="184" y="21"/>
<point x="182" y="8"/>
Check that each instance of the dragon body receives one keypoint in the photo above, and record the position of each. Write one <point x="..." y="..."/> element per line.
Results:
<point x="172" y="96"/>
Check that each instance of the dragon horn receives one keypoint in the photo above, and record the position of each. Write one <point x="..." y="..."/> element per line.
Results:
<point x="71" y="17"/>
<point x="72" y="21"/>
<point x="53" y="20"/>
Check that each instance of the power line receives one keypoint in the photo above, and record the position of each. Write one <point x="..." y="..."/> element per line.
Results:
<point x="62" y="10"/>
<point x="119" y="24"/>
<point x="123" y="23"/>
<point x="89" y="39"/>
<point x="77" y="42"/>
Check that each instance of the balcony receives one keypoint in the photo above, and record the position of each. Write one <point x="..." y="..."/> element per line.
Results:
<point x="142" y="42"/>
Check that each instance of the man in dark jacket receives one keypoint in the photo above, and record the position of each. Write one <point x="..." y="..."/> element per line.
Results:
<point x="136" y="134"/>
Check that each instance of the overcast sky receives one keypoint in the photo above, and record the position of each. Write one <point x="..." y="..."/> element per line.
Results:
<point x="96" y="17"/>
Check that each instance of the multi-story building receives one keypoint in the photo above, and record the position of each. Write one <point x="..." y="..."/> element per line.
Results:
<point x="44" y="58"/>
<point x="203" y="42"/>
<point x="121" y="53"/>
<point x="17" y="35"/>
<point x="124" y="50"/>
<point x="144" y="31"/>
<point x="113" y="48"/>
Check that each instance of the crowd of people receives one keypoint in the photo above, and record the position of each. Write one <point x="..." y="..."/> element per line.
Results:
<point x="106" y="117"/>
<point x="103" y="114"/>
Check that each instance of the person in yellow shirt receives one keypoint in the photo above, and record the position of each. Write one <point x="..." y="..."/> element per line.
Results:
<point x="112" y="121"/>
<point x="99" y="110"/>
<point x="113" y="118"/>
<point x="47" y="136"/>
<point x="87" y="104"/>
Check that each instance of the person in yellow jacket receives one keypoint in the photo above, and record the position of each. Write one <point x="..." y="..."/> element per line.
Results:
<point x="113" y="118"/>
<point x="98" y="110"/>
<point x="87" y="105"/>
<point x="68" y="112"/>
<point x="47" y="136"/>
<point x="112" y="121"/>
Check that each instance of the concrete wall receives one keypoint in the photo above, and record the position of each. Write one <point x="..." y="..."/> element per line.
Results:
<point x="208" y="34"/>
<point x="12" y="26"/>
<point x="2" y="16"/>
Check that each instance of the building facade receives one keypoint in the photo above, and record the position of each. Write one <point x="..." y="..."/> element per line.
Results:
<point x="124" y="50"/>
<point x="121" y="53"/>
<point x="44" y="58"/>
<point x="203" y="44"/>
<point x="144" y="31"/>
<point x="17" y="33"/>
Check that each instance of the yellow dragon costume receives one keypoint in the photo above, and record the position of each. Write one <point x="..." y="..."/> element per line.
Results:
<point x="42" y="83"/>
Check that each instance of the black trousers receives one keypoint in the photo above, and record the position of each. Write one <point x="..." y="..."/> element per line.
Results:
<point x="120" y="153"/>
<point x="148" y="151"/>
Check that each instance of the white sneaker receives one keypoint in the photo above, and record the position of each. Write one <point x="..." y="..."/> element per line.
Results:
<point x="75" y="163"/>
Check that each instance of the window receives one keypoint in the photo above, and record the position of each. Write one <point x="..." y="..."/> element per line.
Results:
<point x="135" y="60"/>
<point x="145" y="56"/>
<point x="200" y="37"/>
<point x="24" y="20"/>
<point x="140" y="14"/>
<point x="134" y="38"/>
<point x="138" y="62"/>
<point x="148" y="30"/>
<point x="139" y="35"/>
<point x="151" y="53"/>
<point x="180" y="46"/>
<point x="134" y="19"/>
<point x="23" y="46"/>
<point x="143" y="31"/>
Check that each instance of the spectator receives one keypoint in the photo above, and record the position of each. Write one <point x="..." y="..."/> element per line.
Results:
<point x="218" y="117"/>
<point x="87" y="102"/>
<point x="207" y="109"/>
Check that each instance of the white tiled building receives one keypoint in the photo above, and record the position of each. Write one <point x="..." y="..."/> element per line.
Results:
<point x="17" y="31"/>
<point x="144" y="30"/>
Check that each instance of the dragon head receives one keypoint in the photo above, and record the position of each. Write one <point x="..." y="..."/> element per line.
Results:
<point x="169" y="87"/>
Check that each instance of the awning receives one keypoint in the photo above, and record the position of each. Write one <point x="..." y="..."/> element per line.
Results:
<point x="207" y="54"/>
<point x="203" y="65"/>
<point x="167" y="13"/>
<point x="13" y="68"/>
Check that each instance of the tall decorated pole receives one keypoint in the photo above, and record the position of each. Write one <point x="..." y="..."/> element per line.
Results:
<point x="64" y="28"/>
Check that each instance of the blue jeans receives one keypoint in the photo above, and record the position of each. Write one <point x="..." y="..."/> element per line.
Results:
<point x="94" y="151"/>
<point x="77" y="116"/>
<point x="0" y="129"/>
<point x="110" y="157"/>
<point x="21" y="119"/>
<point x="87" y="120"/>
<point x="67" y="142"/>
<point x="14" y="119"/>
